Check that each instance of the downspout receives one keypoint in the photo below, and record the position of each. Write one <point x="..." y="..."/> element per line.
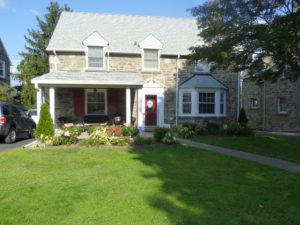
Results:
<point x="264" y="107"/>
<point x="238" y="96"/>
<point x="55" y="60"/>
<point x="107" y="61"/>
<point x="177" y="79"/>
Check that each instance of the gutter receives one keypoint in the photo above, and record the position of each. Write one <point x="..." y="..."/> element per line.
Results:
<point x="177" y="79"/>
<point x="238" y="95"/>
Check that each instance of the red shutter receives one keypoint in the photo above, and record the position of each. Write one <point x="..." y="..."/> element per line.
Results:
<point x="112" y="101"/>
<point x="79" y="102"/>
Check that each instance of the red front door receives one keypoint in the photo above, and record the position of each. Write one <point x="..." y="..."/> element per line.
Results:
<point x="151" y="110"/>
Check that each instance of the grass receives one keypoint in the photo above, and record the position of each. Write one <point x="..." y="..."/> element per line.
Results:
<point x="286" y="148"/>
<point x="143" y="186"/>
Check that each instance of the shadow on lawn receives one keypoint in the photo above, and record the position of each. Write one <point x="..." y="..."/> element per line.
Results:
<point x="203" y="188"/>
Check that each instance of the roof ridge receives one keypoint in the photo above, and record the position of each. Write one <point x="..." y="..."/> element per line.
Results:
<point x="130" y="15"/>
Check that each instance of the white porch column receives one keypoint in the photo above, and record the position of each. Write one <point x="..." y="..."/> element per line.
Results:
<point x="39" y="100"/>
<point x="52" y="103"/>
<point x="128" y="106"/>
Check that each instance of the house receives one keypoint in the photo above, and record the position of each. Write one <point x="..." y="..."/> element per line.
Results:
<point x="272" y="106"/>
<point x="102" y="65"/>
<point x="5" y="64"/>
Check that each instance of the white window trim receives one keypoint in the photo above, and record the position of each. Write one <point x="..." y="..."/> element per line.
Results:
<point x="3" y="68"/>
<point x="195" y="102"/>
<point x="150" y="70"/>
<point x="85" y="100"/>
<point x="87" y="68"/>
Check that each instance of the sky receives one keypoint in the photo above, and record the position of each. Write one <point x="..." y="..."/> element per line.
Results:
<point x="17" y="16"/>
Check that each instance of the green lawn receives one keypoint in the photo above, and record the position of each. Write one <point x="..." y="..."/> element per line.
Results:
<point x="286" y="148"/>
<point x="154" y="186"/>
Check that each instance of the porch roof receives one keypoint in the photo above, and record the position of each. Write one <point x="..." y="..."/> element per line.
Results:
<point x="87" y="79"/>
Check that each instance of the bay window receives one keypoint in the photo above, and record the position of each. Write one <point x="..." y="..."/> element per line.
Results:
<point x="187" y="103"/>
<point x="206" y="103"/>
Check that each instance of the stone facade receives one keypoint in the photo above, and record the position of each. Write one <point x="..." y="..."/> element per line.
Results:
<point x="133" y="63"/>
<point x="266" y="115"/>
<point x="4" y="57"/>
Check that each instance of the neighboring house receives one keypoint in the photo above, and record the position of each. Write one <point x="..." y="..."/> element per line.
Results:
<point x="272" y="106"/>
<point x="102" y="65"/>
<point x="5" y="64"/>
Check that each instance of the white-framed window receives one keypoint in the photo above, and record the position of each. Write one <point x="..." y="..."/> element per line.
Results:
<point x="206" y="103"/>
<point x="253" y="103"/>
<point x="282" y="105"/>
<point x="187" y="103"/>
<point x="95" y="101"/>
<point x="95" y="57"/>
<point x="2" y="68"/>
<point x="151" y="59"/>
<point x="222" y="103"/>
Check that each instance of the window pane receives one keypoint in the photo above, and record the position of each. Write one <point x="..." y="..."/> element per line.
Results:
<point x="222" y="103"/>
<point x="206" y="103"/>
<point x="95" y="57"/>
<point x="95" y="102"/>
<point x="186" y="103"/>
<point x="151" y="59"/>
<point x="282" y="107"/>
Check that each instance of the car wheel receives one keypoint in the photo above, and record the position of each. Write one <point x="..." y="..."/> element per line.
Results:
<point x="31" y="132"/>
<point x="11" y="136"/>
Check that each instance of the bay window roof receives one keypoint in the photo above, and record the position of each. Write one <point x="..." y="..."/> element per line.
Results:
<point x="202" y="81"/>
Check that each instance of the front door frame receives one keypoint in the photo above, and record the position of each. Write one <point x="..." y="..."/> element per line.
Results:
<point x="152" y="87"/>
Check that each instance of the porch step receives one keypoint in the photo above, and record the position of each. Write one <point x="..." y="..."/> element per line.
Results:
<point x="149" y="128"/>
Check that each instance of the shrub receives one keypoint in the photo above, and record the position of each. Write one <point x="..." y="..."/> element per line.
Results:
<point x="213" y="128"/>
<point x="66" y="136"/>
<point x="45" y="127"/>
<point x="170" y="138"/>
<point x="130" y="131"/>
<point x="184" y="131"/>
<point x="114" y="130"/>
<point x="159" y="133"/>
<point x="91" y="129"/>
<point x="239" y="130"/>
<point x="118" y="141"/>
<point x="200" y="130"/>
<point x="243" y="120"/>
<point x="138" y="140"/>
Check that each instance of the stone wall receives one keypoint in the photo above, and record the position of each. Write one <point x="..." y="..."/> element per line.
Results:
<point x="64" y="102"/>
<point x="273" y="120"/>
<point x="166" y="76"/>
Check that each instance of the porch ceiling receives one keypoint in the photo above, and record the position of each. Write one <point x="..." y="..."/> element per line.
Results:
<point x="88" y="79"/>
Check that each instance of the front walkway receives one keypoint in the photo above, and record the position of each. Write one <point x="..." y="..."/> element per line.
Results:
<point x="277" y="163"/>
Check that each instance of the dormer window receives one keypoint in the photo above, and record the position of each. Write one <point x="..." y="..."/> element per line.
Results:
<point x="2" y="68"/>
<point x="151" y="59"/>
<point x="95" y="57"/>
<point x="95" y="48"/>
<point x="151" y="48"/>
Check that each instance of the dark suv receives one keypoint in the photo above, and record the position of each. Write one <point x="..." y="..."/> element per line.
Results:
<point x="15" y="123"/>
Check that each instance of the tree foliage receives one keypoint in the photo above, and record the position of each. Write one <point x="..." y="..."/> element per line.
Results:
<point x="7" y="94"/>
<point x="259" y="37"/>
<point x="35" y="60"/>
<point x="45" y="127"/>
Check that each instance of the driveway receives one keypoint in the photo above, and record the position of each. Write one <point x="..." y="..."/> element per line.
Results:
<point x="19" y="143"/>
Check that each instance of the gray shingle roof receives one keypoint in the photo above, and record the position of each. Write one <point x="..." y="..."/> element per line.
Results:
<point x="117" y="79"/>
<point x="122" y="31"/>
<point x="202" y="81"/>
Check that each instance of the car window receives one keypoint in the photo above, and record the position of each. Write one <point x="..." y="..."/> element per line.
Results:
<point x="32" y="113"/>
<point x="5" y="110"/>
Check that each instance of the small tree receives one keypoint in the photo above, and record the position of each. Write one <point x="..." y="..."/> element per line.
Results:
<point x="45" y="127"/>
<point x="243" y="120"/>
<point x="7" y="93"/>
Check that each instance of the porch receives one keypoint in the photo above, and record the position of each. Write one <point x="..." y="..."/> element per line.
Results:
<point x="91" y="97"/>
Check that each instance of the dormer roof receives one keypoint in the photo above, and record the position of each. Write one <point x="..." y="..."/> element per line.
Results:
<point x="95" y="39"/>
<point x="151" y="42"/>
